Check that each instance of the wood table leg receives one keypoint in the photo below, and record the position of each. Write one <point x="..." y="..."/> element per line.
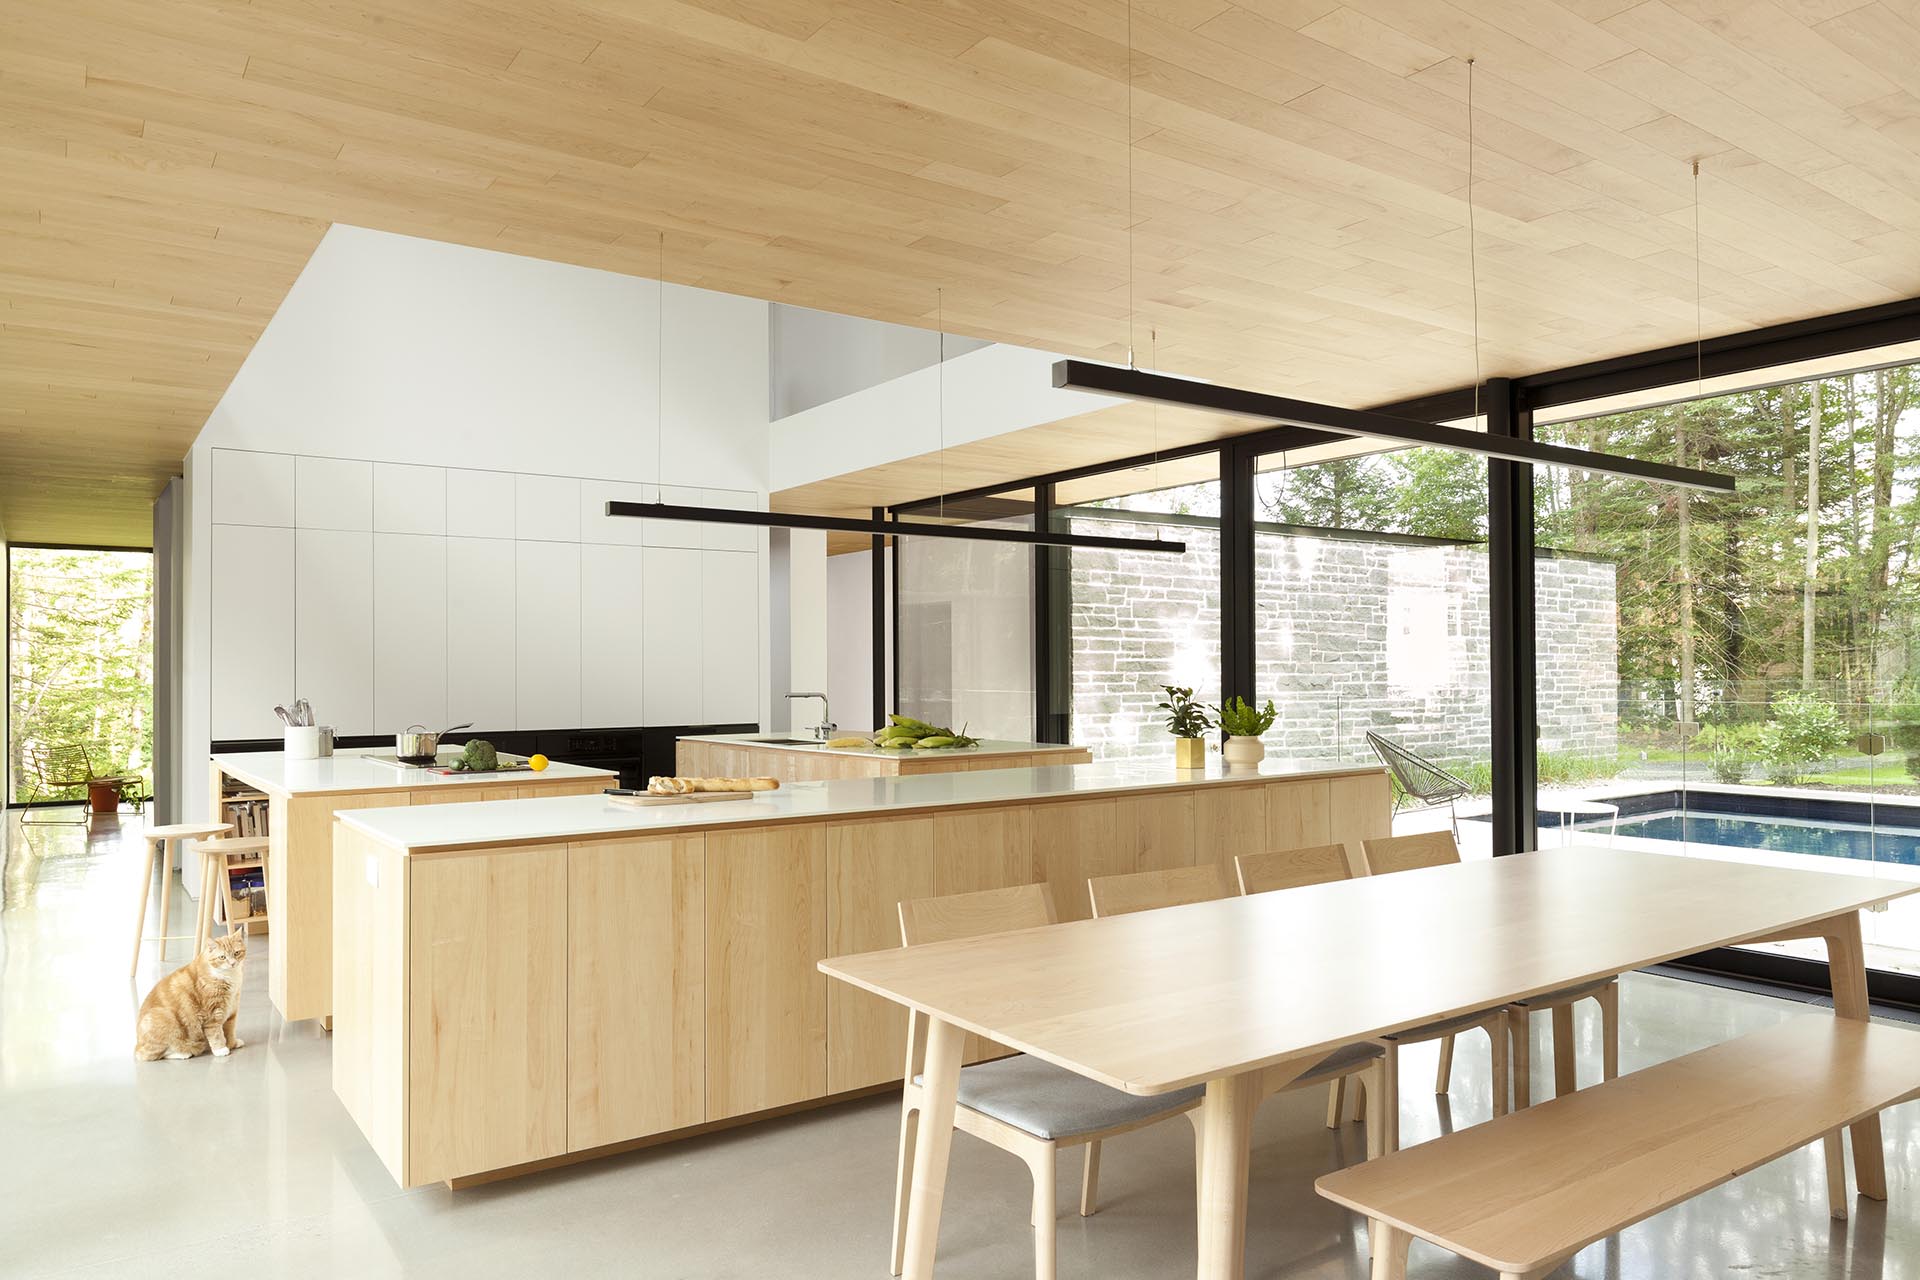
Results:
<point x="1847" y="967"/>
<point x="1566" y="1077"/>
<point x="1390" y="1245"/>
<point x="1226" y="1119"/>
<point x="941" y="1080"/>
<point x="147" y="860"/>
<point x="1520" y="1032"/>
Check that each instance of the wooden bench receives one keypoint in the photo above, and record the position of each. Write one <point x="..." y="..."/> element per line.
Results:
<point x="1529" y="1190"/>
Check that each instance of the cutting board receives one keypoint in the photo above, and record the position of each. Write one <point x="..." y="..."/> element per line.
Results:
<point x="692" y="797"/>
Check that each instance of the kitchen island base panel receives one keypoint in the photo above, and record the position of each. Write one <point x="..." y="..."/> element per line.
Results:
<point x="742" y="758"/>
<point x="666" y="983"/>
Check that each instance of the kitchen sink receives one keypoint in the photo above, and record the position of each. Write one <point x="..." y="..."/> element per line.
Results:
<point x="791" y="742"/>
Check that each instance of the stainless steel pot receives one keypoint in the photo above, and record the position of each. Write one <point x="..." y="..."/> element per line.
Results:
<point x="421" y="747"/>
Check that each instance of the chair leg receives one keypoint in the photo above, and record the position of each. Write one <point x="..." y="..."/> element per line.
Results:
<point x="1609" y="999"/>
<point x="1443" y="1078"/>
<point x="1359" y="1095"/>
<point x="1376" y="1117"/>
<point x="166" y="895"/>
<point x="1836" y="1175"/>
<point x="903" y="1182"/>
<point x="1566" y="1077"/>
<point x="1199" y="1152"/>
<point x="1498" y="1038"/>
<point x="1090" y="1180"/>
<point x="1520" y="1037"/>
<point x="1336" y="1100"/>
<point x="1389" y="1091"/>
<point x="1041" y="1161"/>
<point x="203" y="918"/>
<point x="140" y="920"/>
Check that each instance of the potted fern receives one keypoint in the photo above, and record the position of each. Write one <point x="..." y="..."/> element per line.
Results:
<point x="1244" y="724"/>
<point x="1187" y="721"/>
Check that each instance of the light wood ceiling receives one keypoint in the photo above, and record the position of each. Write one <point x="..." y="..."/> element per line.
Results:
<point x="1296" y="198"/>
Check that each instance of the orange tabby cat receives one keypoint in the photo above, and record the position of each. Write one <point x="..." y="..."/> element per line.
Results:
<point x="192" y="1009"/>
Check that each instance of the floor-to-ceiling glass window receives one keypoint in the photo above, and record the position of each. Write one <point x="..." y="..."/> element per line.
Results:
<point x="1371" y="617"/>
<point x="1764" y="683"/>
<point x="1140" y="620"/>
<point x="79" y="672"/>
<point x="965" y="650"/>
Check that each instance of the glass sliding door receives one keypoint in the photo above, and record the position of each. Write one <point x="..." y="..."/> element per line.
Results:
<point x="79" y="671"/>
<point x="1140" y="620"/>
<point x="965" y="648"/>
<point x="1371" y="616"/>
<point x="1764" y="642"/>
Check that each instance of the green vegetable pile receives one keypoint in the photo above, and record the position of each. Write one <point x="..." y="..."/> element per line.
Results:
<point x="478" y="757"/>
<point x="906" y="733"/>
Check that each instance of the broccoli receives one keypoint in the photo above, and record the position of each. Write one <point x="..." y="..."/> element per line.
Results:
<point x="479" y="756"/>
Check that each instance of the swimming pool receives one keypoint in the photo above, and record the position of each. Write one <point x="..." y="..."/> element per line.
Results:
<point x="1829" y="838"/>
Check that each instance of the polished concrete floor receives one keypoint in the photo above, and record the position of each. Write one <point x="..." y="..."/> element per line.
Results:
<point x="247" y="1165"/>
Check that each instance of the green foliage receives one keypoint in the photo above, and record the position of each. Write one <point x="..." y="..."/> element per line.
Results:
<point x="1729" y="749"/>
<point x="80" y="627"/>
<point x="1804" y="730"/>
<point x="1241" y="720"/>
<point x="1575" y="768"/>
<point x="1185" y="717"/>
<point x="479" y="756"/>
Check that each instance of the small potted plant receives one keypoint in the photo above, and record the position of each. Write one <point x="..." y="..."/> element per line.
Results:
<point x="1187" y="721"/>
<point x="1244" y="724"/>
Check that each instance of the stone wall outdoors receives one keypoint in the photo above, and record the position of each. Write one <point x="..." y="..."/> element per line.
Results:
<point x="1353" y="635"/>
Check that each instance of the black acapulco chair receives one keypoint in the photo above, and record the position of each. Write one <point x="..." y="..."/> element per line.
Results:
<point x="1419" y="778"/>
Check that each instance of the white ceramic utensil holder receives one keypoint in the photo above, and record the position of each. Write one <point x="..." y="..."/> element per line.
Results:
<point x="303" y="742"/>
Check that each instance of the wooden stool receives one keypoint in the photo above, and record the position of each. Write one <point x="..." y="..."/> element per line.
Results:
<point x="160" y="845"/>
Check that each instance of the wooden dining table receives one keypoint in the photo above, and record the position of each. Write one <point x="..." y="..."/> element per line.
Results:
<point x="1244" y="993"/>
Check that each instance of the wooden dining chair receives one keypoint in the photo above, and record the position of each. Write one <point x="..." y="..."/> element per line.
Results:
<point x="1294" y="869"/>
<point x="1386" y="856"/>
<point x="1123" y="894"/>
<point x="1020" y="1104"/>
<point x="1437" y="848"/>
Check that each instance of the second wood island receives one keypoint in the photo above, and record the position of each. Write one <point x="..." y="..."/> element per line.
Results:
<point x="533" y="981"/>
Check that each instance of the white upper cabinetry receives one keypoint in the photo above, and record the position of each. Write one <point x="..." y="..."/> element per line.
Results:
<point x="333" y="493"/>
<point x="546" y="509"/>
<point x="479" y="504"/>
<point x="409" y="499"/>
<point x="252" y="488"/>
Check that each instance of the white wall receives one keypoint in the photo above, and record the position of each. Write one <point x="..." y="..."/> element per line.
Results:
<point x="850" y="656"/>
<point x="818" y="356"/>
<point x="988" y="392"/>
<point x="408" y="389"/>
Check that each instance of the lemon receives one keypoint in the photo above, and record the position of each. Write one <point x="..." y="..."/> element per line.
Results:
<point x="538" y="763"/>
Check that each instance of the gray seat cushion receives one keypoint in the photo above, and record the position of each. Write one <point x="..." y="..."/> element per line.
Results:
<point x="1055" y="1104"/>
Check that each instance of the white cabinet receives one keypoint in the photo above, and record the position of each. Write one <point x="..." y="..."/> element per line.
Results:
<point x="612" y="626"/>
<point x="409" y="631"/>
<point x="730" y="636"/>
<point x="547" y="635"/>
<point x="671" y="636"/>
<point x="674" y="533"/>
<point x="479" y="504"/>
<point x="333" y="493"/>
<point x="597" y="526"/>
<point x="333" y="617"/>
<point x="409" y="499"/>
<point x="480" y="632"/>
<point x="546" y="509"/>
<point x="253" y="488"/>
<point x="730" y="537"/>
<point x="252" y="624"/>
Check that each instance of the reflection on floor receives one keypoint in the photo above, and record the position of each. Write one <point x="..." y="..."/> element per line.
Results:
<point x="248" y="1166"/>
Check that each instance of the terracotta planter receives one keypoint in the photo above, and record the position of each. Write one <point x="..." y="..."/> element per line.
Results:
<point x="103" y="795"/>
<point x="1190" y="753"/>
<point x="1243" y="753"/>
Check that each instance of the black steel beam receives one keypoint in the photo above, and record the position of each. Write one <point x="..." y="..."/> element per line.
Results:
<point x="1514" y="711"/>
<point x="886" y="528"/>
<point x="1052" y="622"/>
<point x="879" y="641"/>
<point x="1158" y="388"/>
<point x="1238" y="607"/>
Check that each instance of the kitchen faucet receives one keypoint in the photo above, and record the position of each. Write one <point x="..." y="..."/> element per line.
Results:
<point x="825" y="728"/>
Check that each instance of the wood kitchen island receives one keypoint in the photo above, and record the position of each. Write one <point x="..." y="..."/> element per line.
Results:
<point x="301" y="797"/>
<point x="529" y="982"/>
<point x="793" y="759"/>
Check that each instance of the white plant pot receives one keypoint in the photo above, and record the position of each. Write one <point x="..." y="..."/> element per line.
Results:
<point x="1243" y="753"/>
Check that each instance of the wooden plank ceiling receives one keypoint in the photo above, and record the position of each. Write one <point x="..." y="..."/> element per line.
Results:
<point x="1296" y="191"/>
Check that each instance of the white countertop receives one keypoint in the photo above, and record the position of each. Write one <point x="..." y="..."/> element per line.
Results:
<point x="455" y="826"/>
<point x="272" y="772"/>
<point x="987" y="747"/>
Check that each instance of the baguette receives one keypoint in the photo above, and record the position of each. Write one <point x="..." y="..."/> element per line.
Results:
<point x="663" y="785"/>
